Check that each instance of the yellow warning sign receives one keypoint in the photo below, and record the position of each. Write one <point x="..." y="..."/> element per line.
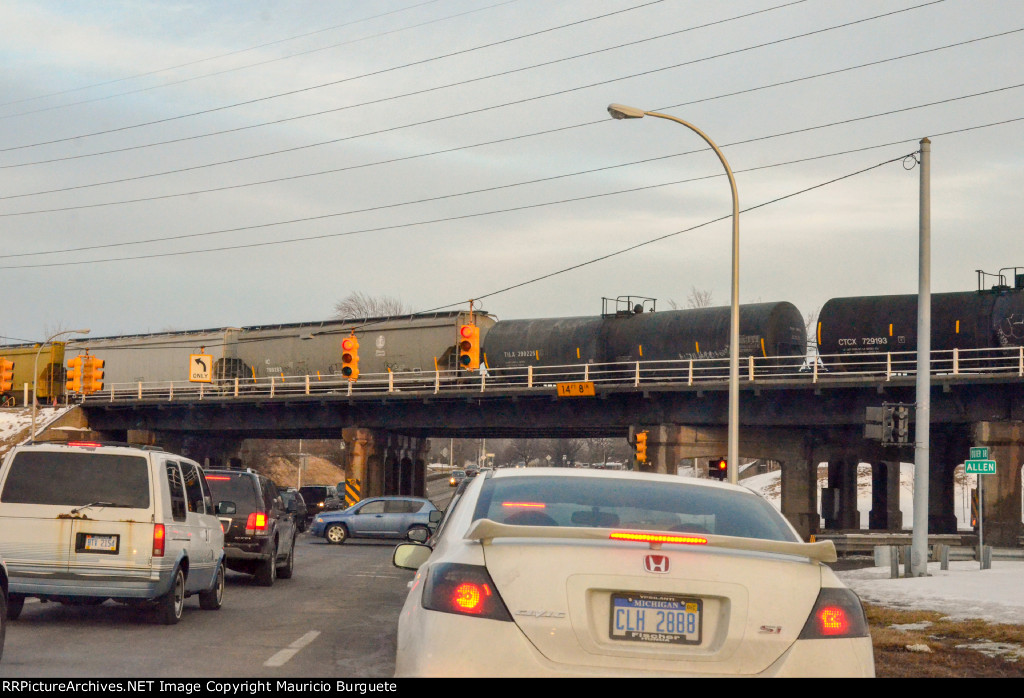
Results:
<point x="200" y="368"/>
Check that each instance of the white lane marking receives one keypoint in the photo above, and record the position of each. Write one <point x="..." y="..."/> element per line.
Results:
<point x="291" y="650"/>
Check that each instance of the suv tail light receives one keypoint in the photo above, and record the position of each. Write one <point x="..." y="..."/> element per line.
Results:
<point x="256" y="523"/>
<point x="837" y="613"/>
<point x="159" y="536"/>
<point x="464" y="590"/>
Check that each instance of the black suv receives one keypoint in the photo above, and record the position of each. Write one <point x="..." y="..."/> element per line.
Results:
<point x="259" y="529"/>
<point x="320" y="498"/>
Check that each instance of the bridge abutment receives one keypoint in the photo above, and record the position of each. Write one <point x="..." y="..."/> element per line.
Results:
<point x="385" y="463"/>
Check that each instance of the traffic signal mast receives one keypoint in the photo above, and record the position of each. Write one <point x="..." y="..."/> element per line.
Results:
<point x="350" y="357"/>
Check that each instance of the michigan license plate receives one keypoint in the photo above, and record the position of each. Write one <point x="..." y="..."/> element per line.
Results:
<point x="670" y="620"/>
<point x="94" y="543"/>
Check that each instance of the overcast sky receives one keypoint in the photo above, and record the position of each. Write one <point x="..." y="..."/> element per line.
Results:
<point x="182" y="165"/>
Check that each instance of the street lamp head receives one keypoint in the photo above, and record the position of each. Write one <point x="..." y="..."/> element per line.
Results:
<point x="621" y="111"/>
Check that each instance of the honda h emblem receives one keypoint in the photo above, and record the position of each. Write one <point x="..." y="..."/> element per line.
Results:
<point x="656" y="563"/>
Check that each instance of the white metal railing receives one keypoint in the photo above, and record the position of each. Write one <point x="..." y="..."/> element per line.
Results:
<point x="691" y="372"/>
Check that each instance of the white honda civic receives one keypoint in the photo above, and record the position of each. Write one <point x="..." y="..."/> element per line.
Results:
<point x="560" y="572"/>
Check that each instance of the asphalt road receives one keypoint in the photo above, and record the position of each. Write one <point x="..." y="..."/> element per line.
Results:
<point x="335" y="618"/>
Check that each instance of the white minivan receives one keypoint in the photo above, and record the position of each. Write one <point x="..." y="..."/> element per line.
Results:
<point x="84" y="522"/>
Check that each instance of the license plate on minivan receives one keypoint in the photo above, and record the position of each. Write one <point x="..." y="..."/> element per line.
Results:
<point x="97" y="543"/>
<point x="661" y="619"/>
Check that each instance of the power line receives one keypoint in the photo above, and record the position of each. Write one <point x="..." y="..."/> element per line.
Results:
<point x="223" y="55"/>
<point x="450" y="116"/>
<point x="651" y="241"/>
<point x="336" y="82"/>
<point x="477" y="145"/>
<point x="487" y="189"/>
<point x="460" y="83"/>
<point x="426" y="222"/>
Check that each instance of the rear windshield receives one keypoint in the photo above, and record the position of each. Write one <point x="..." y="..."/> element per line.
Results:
<point x="315" y="494"/>
<point x="69" y="478"/>
<point x="239" y="488"/>
<point x="644" y="505"/>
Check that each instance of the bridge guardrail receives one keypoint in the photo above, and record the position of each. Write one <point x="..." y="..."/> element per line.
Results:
<point x="690" y="372"/>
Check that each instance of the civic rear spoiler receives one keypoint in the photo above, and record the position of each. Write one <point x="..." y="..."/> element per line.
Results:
<point x="486" y="530"/>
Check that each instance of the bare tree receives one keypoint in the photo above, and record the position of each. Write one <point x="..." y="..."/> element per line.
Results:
<point x="698" y="298"/>
<point x="812" y="336"/>
<point x="362" y="305"/>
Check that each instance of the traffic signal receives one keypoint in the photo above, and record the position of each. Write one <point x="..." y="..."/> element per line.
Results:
<point x="6" y="376"/>
<point x="641" y="447"/>
<point x="92" y="375"/>
<point x="74" y="377"/>
<point x="350" y="358"/>
<point x="718" y="468"/>
<point x="469" y="347"/>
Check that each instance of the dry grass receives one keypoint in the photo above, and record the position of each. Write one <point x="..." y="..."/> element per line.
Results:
<point x="901" y="653"/>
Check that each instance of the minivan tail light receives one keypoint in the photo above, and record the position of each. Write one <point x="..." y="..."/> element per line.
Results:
<point x="837" y="613"/>
<point x="463" y="590"/>
<point x="256" y="523"/>
<point x="159" y="536"/>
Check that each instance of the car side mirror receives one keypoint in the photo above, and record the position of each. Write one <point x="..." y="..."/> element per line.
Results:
<point x="435" y="516"/>
<point x="410" y="556"/>
<point x="418" y="535"/>
<point x="226" y="507"/>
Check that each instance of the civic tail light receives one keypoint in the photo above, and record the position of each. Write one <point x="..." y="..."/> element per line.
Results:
<point x="159" y="536"/>
<point x="837" y="613"/>
<point x="464" y="590"/>
<point x="256" y="523"/>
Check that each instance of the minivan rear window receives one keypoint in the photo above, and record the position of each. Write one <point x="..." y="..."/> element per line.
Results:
<point x="69" y="478"/>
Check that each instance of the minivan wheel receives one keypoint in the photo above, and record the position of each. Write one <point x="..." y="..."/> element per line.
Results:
<point x="336" y="533"/>
<point x="286" y="570"/>
<point x="15" y="602"/>
<point x="211" y="599"/>
<point x="170" y="605"/>
<point x="266" y="573"/>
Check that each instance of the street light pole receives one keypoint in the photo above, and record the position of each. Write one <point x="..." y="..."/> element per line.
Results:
<point x="619" y="111"/>
<point x="35" y="378"/>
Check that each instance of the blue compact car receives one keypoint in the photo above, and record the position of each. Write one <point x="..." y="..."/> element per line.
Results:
<point x="379" y="517"/>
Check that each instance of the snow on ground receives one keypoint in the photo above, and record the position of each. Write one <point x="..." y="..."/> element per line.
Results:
<point x="962" y="591"/>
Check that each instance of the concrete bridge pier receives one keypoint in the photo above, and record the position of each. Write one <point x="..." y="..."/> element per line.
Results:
<point x="885" y="514"/>
<point x="384" y="462"/>
<point x="1001" y="504"/>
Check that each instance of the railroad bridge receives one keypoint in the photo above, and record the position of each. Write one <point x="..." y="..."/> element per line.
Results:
<point x="800" y="419"/>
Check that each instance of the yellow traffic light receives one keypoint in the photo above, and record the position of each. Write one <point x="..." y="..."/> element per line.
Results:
<point x="92" y="375"/>
<point x="350" y="357"/>
<point x="74" y="377"/>
<point x="469" y="347"/>
<point x="6" y="376"/>
<point x="641" y="447"/>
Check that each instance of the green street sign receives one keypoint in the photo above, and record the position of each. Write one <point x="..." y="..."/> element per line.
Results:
<point x="980" y="467"/>
<point x="979" y="453"/>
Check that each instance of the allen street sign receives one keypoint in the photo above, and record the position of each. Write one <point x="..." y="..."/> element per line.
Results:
<point x="980" y="467"/>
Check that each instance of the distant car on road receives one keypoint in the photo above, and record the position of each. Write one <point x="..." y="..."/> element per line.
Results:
<point x="568" y="572"/>
<point x="320" y="498"/>
<point x="456" y="477"/>
<point x="379" y="517"/>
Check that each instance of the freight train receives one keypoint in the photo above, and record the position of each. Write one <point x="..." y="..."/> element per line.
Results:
<point x="625" y="332"/>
